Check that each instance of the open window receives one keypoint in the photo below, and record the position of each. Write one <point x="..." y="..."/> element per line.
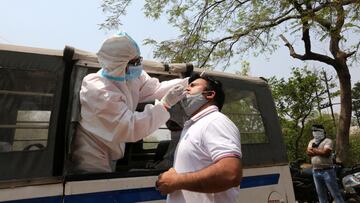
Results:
<point x="145" y="155"/>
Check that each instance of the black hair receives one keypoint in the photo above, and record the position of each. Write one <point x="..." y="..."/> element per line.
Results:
<point x="212" y="85"/>
<point x="317" y="126"/>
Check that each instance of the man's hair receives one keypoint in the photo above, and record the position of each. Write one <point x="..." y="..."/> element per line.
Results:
<point x="317" y="127"/>
<point x="212" y="85"/>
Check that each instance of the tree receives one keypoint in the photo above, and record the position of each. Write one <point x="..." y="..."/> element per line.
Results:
<point x="296" y="100"/>
<point x="212" y="32"/>
<point x="245" y="69"/>
<point x="356" y="101"/>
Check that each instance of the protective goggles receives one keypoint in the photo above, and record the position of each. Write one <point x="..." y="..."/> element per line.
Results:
<point x="135" y="62"/>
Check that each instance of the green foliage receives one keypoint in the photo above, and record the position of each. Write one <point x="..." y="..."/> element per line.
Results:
<point x="154" y="9"/>
<point x="354" y="152"/>
<point x="244" y="113"/>
<point x="356" y="91"/>
<point x="326" y="120"/>
<point x="356" y="102"/>
<point x="212" y="32"/>
<point x="290" y="134"/>
<point x="296" y="99"/>
<point x="116" y="8"/>
<point x="245" y="69"/>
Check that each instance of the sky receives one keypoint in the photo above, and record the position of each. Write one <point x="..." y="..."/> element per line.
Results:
<point x="55" y="24"/>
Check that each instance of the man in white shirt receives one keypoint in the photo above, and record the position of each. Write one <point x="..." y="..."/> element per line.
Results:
<point x="207" y="165"/>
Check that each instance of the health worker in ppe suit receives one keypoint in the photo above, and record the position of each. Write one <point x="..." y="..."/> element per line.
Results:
<point x="108" y="102"/>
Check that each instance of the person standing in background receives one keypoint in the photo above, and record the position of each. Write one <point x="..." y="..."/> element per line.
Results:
<point x="319" y="149"/>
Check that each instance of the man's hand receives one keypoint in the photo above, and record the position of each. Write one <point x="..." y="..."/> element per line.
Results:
<point x="218" y="177"/>
<point x="167" y="181"/>
<point x="310" y="152"/>
<point x="318" y="152"/>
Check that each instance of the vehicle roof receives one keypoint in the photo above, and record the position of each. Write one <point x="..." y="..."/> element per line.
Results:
<point x="89" y="59"/>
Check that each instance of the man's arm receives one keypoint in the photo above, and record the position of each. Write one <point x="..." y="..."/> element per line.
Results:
<point x="309" y="151"/>
<point x="152" y="89"/>
<point x="218" y="177"/>
<point x="321" y="151"/>
<point x="318" y="151"/>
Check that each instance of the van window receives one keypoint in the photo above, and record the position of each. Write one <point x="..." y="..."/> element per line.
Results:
<point x="241" y="107"/>
<point x="161" y="134"/>
<point x="30" y="97"/>
<point x="32" y="130"/>
<point x="25" y="109"/>
<point x="244" y="112"/>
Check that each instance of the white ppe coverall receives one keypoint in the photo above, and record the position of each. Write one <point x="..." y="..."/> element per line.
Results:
<point x="108" y="102"/>
<point x="109" y="119"/>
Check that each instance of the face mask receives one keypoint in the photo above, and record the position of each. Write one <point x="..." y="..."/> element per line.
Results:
<point x="192" y="103"/>
<point x="318" y="136"/>
<point x="177" y="114"/>
<point x="132" y="73"/>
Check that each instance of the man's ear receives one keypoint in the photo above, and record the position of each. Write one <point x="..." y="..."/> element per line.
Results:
<point x="210" y="95"/>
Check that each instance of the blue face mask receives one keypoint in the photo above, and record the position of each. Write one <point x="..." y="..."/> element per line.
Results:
<point x="132" y="73"/>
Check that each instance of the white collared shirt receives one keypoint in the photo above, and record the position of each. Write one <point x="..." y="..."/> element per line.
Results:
<point x="206" y="138"/>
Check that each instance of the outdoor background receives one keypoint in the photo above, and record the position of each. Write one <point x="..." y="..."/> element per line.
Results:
<point x="54" y="24"/>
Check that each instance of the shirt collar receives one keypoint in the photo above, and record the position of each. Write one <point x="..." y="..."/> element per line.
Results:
<point x="201" y="114"/>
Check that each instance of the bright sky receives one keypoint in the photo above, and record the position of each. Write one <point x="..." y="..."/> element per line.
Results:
<point x="54" y="24"/>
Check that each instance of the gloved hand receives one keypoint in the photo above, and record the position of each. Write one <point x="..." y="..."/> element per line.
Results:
<point x="174" y="95"/>
<point x="185" y="81"/>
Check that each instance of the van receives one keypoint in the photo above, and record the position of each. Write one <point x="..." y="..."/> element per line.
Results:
<point x="39" y="113"/>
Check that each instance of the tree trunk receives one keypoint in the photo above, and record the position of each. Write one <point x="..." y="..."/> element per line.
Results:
<point x="297" y="141"/>
<point x="342" y="134"/>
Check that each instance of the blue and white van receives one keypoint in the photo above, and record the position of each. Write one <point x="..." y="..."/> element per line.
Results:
<point x="39" y="112"/>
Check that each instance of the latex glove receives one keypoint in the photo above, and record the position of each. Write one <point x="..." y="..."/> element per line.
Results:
<point x="173" y="96"/>
<point x="185" y="82"/>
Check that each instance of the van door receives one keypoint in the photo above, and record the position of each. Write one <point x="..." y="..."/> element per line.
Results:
<point x="31" y="84"/>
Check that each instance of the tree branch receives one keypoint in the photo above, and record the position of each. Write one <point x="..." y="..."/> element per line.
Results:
<point x="335" y="33"/>
<point x="213" y="46"/>
<point x="307" y="56"/>
<point x="271" y="23"/>
<point x="350" y="54"/>
<point x="306" y="37"/>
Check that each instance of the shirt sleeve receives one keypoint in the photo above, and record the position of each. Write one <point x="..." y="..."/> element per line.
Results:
<point x="328" y="143"/>
<point x="152" y="89"/>
<point x="221" y="138"/>
<point x="310" y="143"/>
<point x="105" y="113"/>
